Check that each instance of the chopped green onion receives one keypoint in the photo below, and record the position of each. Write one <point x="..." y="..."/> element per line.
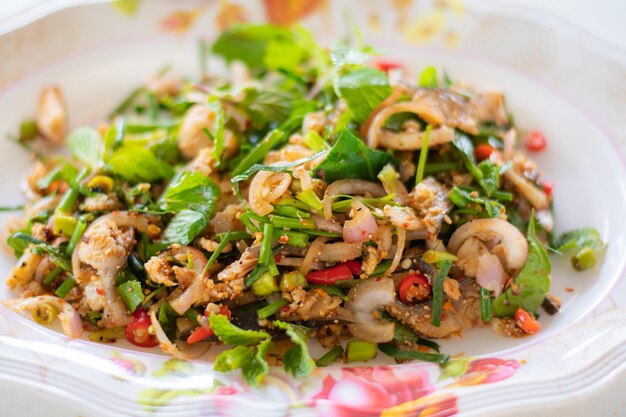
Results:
<point x="300" y="205"/>
<point x="311" y="199"/>
<point x="297" y="239"/>
<point x="360" y="351"/>
<point x="225" y="240"/>
<point x="315" y="142"/>
<point x="44" y="313"/>
<point x="271" y="309"/>
<point x="28" y="130"/>
<point x="256" y="273"/>
<point x="438" y="292"/>
<point x="502" y="195"/>
<point x="290" y="223"/>
<point x="291" y="280"/>
<point x="52" y="275"/>
<point x="290" y="211"/>
<point x="64" y="224"/>
<point x="232" y="236"/>
<point x="76" y="235"/>
<point x="266" y="244"/>
<point x="131" y="294"/>
<point x="126" y="103"/>
<point x="428" y="78"/>
<point x="394" y="351"/>
<point x="265" y="285"/>
<point x="388" y="176"/>
<point x="421" y="164"/>
<point x="65" y="287"/>
<point x="584" y="259"/>
<point x="192" y="315"/>
<point x="11" y="208"/>
<point x="71" y="195"/>
<point x="346" y="283"/>
<point x="330" y="357"/>
<point x="153" y="294"/>
<point x="313" y="232"/>
<point x="434" y="168"/>
<point x="485" y="305"/>
<point x="405" y="334"/>
<point x="434" y="256"/>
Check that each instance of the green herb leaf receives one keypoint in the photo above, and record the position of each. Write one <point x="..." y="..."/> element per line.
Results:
<point x="233" y="335"/>
<point x="438" y="292"/>
<point x="428" y="78"/>
<point x="297" y="360"/>
<point x="136" y="164"/>
<point x="86" y="145"/>
<point x="185" y="226"/>
<point x="531" y="284"/>
<point x="190" y="191"/>
<point x="273" y="168"/>
<point x="343" y="55"/>
<point x="363" y="89"/>
<point x="215" y="104"/>
<point x="351" y="158"/>
<point x="462" y="198"/>
<point x="394" y="351"/>
<point x="255" y="369"/>
<point x="586" y="237"/>
<point x="131" y="294"/>
<point x="234" y="358"/>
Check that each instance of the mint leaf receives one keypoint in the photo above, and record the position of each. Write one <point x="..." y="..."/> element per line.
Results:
<point x="233" y="335"/>
<point x="586" y="237"/>
<point x="363" y="89"/>
<point x="190" y="191"/>
<point x="185" y="226"/>
<point x="234" y="358"/>
<point x="531" y="284"/>
<point x="297" y="360"/>
<point x="135" y="164"/>
<point x="255" y="369"/>
<point x="351" y="158"/>
<point x="343" y="55"/>
<point x="86" y="145"/>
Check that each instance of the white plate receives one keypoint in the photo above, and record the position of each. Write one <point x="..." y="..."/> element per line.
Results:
<point x="102" y="54"/>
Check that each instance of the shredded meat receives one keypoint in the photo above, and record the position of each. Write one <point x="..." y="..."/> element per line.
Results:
<point x="430" y="200"/>
<point x="102" y="202"/>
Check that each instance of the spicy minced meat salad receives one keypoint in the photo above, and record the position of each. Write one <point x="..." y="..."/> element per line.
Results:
<point x="314" y="193"/>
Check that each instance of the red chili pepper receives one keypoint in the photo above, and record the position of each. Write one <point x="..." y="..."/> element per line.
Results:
<point x="202" y="333"/>
<point x="387" y="64"/>
<point x="329" y="276"/>
<point x="353" y="266"/>
<point x="483" y="151"/>
<point x="548" y="187"/>
<point x="526" y="321"/>
<point x="414" y="288"/>
<point x="535" y="141"/>
<point x="138" y="333"/>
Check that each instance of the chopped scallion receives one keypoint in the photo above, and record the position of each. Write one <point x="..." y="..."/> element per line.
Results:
<point x="438" y="292"/>
<point x="330" y="357"/>
<point x="272" y="308"/>
<point x="421" y="164"/>
<point x="65" y="288"/>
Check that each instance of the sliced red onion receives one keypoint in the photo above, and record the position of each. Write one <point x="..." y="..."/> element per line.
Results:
<point x="69" y="317"/>
<point x="490" y="273"/>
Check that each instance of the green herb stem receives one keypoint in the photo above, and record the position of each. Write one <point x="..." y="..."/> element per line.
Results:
<point x="438" y="292"/>
<point x="421" y="165"/>
<point x="271" y="309"/>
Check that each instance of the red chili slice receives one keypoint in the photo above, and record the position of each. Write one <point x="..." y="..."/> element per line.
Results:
<point x="202" y="333"/>
<point x="138" y="331"/>
<point x="329" y="276"/>
<point x="483" y="151"/>
<point x="535" y="141"/>
<point x="353" y="266"/>
<point x="414" y="288"/>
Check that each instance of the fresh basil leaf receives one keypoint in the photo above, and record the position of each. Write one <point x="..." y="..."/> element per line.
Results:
<point x="233" y="335"/>
<point x="190" y="191"/>
<point x="185" y="226"/>
<point x="215" y="104"/>
<point x="586" y="237"/>
<point x="486" y="174"/>
<point x="462" y="198"/>
<point x="256" y="45"/>
<point x="234" y="358"/>
<point x="136" y="164"/>
<point x="351" y="158"/>
<point x="131" y="294"/>
<point x="363" y="89"/>
<point x="86" y="145"/>
<point x="297" y="360"/>
<point x="256" y="368"/>
<point x="343" y="55"/>
<point x="531" y="284"/>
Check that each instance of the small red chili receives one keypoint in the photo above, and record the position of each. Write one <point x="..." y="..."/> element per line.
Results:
<point x="353" y="266"/>
<point x="202" y="333"/>
<point x="483" y="151"/>
<point x="138" y="331"/>
<point x="535" y="141"/>
<point x="548" y="187"/>
<point x="329" y="276"/>
<point x="414" y="288"/>
<point x="526" y="321"/>
<point x="387" y="64"/>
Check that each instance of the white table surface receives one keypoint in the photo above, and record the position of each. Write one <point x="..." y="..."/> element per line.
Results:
<point x="601" y="19"/>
